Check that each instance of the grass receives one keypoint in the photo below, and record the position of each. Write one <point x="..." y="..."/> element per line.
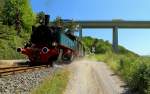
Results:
<point x="55" y="84"/>
<point x="135" y="70"/>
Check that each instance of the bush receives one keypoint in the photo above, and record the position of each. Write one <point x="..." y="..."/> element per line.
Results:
<point x="140" y="79"/>
<point x="9" y="41"/>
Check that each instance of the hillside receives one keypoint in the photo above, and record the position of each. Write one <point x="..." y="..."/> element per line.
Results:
<point x="102" y="47"/>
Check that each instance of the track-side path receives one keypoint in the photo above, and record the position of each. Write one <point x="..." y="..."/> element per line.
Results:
<point x="9" y="63"/>
<point x="89" y="77"/>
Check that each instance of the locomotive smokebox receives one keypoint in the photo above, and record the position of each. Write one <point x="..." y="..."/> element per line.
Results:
<point x="47" y="17"/>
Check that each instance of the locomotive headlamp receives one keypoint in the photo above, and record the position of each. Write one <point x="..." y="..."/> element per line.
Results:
<point x="45" y="50"/>
<point x="54" y="44"/>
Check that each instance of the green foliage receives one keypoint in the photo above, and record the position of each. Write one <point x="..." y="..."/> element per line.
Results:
<point x="28" y="17"/>
<point x="58" y="22"/>
<point x="140" y="79"/>
<point x="9" y="11"/>
<point x="5" y="32"/>
<point x="9" y="42"/>
<point x="2" y="2"/>
<point x="101" y="46"/>
<point x="40" y="17"/>
<point x="22" y="8"/>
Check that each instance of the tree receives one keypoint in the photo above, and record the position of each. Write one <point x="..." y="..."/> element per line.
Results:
<point x="18" y="13"/>
<point x="28" y="17"/>
<point x="1" y="8"/>
<point x="40" y="17"/>
<point x="59" y="22"/>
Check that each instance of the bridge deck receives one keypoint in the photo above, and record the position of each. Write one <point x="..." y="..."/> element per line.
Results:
<point x="111" y="24"/>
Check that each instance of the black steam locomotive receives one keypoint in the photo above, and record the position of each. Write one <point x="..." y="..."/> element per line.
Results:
<point x="49" y="43"/>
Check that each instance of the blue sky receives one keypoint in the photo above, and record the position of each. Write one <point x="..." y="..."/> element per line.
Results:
<point x="136" y="40"/>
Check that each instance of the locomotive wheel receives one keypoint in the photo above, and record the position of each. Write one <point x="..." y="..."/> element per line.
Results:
<point x="50" y="62"/>
<point x="59" y="58"/>
<point x="68" y="58"/>
<point x="72" y="57"/>
<point x="31" y="64"/>
<point x="28" y="63"/>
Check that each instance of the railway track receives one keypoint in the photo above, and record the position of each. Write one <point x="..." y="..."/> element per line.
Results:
<point x="5" y="71"/>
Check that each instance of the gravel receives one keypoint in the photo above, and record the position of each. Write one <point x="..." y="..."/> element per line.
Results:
<point x="23" y="83"/>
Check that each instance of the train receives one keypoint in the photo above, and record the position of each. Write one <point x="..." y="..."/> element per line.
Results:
<point x="50" y="43"/>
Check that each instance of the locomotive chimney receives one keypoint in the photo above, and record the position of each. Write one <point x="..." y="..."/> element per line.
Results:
<point x="47" y="19"/>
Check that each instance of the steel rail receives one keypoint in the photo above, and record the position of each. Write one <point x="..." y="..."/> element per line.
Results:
<point x="12" y="70"/>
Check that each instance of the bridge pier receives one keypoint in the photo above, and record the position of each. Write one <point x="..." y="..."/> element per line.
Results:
<point x="115" y="39"/>
<point x="80" y="33"/>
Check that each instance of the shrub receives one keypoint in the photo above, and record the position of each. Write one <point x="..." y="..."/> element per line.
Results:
<point x="140" y="79"/>
<point x="9" y="41"/>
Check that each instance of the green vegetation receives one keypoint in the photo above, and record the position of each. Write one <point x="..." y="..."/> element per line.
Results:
<point x="55" y="84"/>
<point x="15" y="15"/>
<point x="18" y="12"/>
<point x="134" y="69"/>
<point x="9" y="41"/>
<point x="40" y="17"/>
<point x="1" y="8"/>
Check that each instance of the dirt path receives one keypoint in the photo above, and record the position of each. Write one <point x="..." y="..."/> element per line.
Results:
<point x="90" y="77"/>
<point x="8" y="63"/>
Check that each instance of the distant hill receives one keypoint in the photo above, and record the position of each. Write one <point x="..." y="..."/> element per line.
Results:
<point x="102" y="47"/>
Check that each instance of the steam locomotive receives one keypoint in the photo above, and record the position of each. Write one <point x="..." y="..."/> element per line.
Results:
<point x="49" y="43"/>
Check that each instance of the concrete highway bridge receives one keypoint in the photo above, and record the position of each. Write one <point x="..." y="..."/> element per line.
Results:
<point x="114" y="25"/>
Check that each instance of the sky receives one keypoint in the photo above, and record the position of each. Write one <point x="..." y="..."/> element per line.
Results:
<point x="137" y="40"/>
